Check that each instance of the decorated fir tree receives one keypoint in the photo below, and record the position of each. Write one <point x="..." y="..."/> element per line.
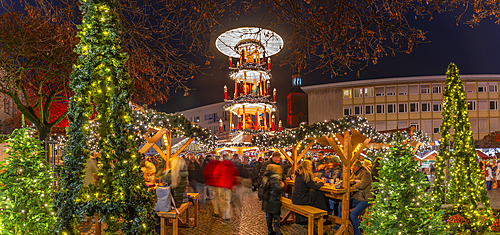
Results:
<point x="25" y="187"/>
<point x="401" y="205"/>
<point x="465" y="186"/>
<point x="99" y="78"/>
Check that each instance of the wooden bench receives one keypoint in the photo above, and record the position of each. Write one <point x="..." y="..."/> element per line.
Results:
<point x="312" y="213"/>
<point x="172" y="214"/>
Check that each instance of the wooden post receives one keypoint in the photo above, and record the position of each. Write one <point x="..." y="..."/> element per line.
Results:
<point x="97" y="224"/>
<point x="168" y="145"/>
<point x="346" y="178"/>
<point x="294" y="158"/>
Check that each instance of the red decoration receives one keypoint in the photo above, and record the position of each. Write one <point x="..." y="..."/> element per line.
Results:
<point x="225" y="92"/>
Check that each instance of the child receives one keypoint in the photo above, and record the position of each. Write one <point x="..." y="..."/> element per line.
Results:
<point x="272" y="207"/>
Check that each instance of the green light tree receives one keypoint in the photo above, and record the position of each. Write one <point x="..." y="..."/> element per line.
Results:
<point x="25" y="187"/>
<point x="401" y="205"/>
<point x="99" y="79"/>
<point x="465" y="188"/>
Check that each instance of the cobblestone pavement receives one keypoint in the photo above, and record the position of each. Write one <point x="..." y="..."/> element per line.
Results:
<point x="251" y="220"/>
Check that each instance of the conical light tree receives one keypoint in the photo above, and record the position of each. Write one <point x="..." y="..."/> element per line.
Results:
<point x="100" y="79"/>
<point x="25" y="187"/>
<point x="401" y="205"/>
<point x="465" y="188"/>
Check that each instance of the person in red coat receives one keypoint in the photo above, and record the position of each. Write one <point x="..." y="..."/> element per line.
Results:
<point x="224" y="178"/>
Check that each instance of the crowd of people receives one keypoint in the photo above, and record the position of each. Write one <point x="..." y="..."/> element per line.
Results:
<point x="224" y="180"/>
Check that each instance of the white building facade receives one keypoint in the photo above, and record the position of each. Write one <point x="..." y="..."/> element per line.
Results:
<point x="392" y="103"/>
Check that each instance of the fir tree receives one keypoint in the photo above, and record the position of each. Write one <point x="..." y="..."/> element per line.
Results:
<point x="466" y="186"/>
<point x="25" y="187"/>
<point x="401" y="205"/>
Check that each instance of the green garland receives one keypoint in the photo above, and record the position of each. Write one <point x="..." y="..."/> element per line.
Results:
<point x="176" y="122"/>
<point x="466" y="187"/>
<point x="100" y="77"/>
<point x="291" y="137"/>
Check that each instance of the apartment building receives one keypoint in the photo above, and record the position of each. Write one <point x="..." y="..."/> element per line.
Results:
<point x="406" y="101"/>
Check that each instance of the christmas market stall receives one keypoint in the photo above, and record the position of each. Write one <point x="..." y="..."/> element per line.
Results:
<point x="348" y="137"/>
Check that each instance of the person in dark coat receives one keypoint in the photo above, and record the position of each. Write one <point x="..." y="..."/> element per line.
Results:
<point x="306" y="190"/>
<point x="197" y="181"/>
<point x="177" y="177"/>
<point x="275" y="159"/>
<point x="272" y="207"/>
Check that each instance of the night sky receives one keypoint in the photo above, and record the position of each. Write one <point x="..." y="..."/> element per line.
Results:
<point x="473" y="50"/>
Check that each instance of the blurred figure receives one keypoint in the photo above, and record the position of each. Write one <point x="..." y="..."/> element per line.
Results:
<point x="197" y="181"/>
<point x="223" y="177"/>
<point x="177" y="177"/>
<point x="272" y="207"/>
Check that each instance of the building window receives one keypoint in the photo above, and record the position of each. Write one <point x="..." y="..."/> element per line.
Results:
<point x="379" y="91"/>
<point x="369" y="109"/>
<point x="402" y="107"/>
<point x="492" y="87"/>
<point x="425" y="89"/>
<point x="482" y="105"/>
<point x="358" y="92"/>
<point x="481" y="86"/>
<point x="347" y="110"/>
<point x="380" y="126"/>
<point x="211" y="116"/>
<point x="436" y="130"/>
<point x="391" y="108"/>
<point x="473" y="124"/>
<point x="483" y="125"/>
<point x="358" y="110"/>
<point x="436" y="106"/>
<point x="402" y="90"/>
<point x="369" y="92"/>
<point x="470" y="87"/>
<point x="197" y="119"/>
<point x="493" y="124"/>
<point x="413" y="89"/>
<point x="413" y="107"/>
<point x="391" y="90"/>
<point x="471" y="105"/>
<point x="415" y="124"/>
<point x="347" y="93"/>
<point x="493" y="104"/>
<point x="190" y="119"/>
<point x="436" y="88"/>
<point x="426" y="107"/>
<point x="380" y="109"/>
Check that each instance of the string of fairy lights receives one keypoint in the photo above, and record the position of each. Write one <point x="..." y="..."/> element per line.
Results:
<point x="143" y="121"/>
<point x="305" y="133"/>
<point x="466" y="193"/>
